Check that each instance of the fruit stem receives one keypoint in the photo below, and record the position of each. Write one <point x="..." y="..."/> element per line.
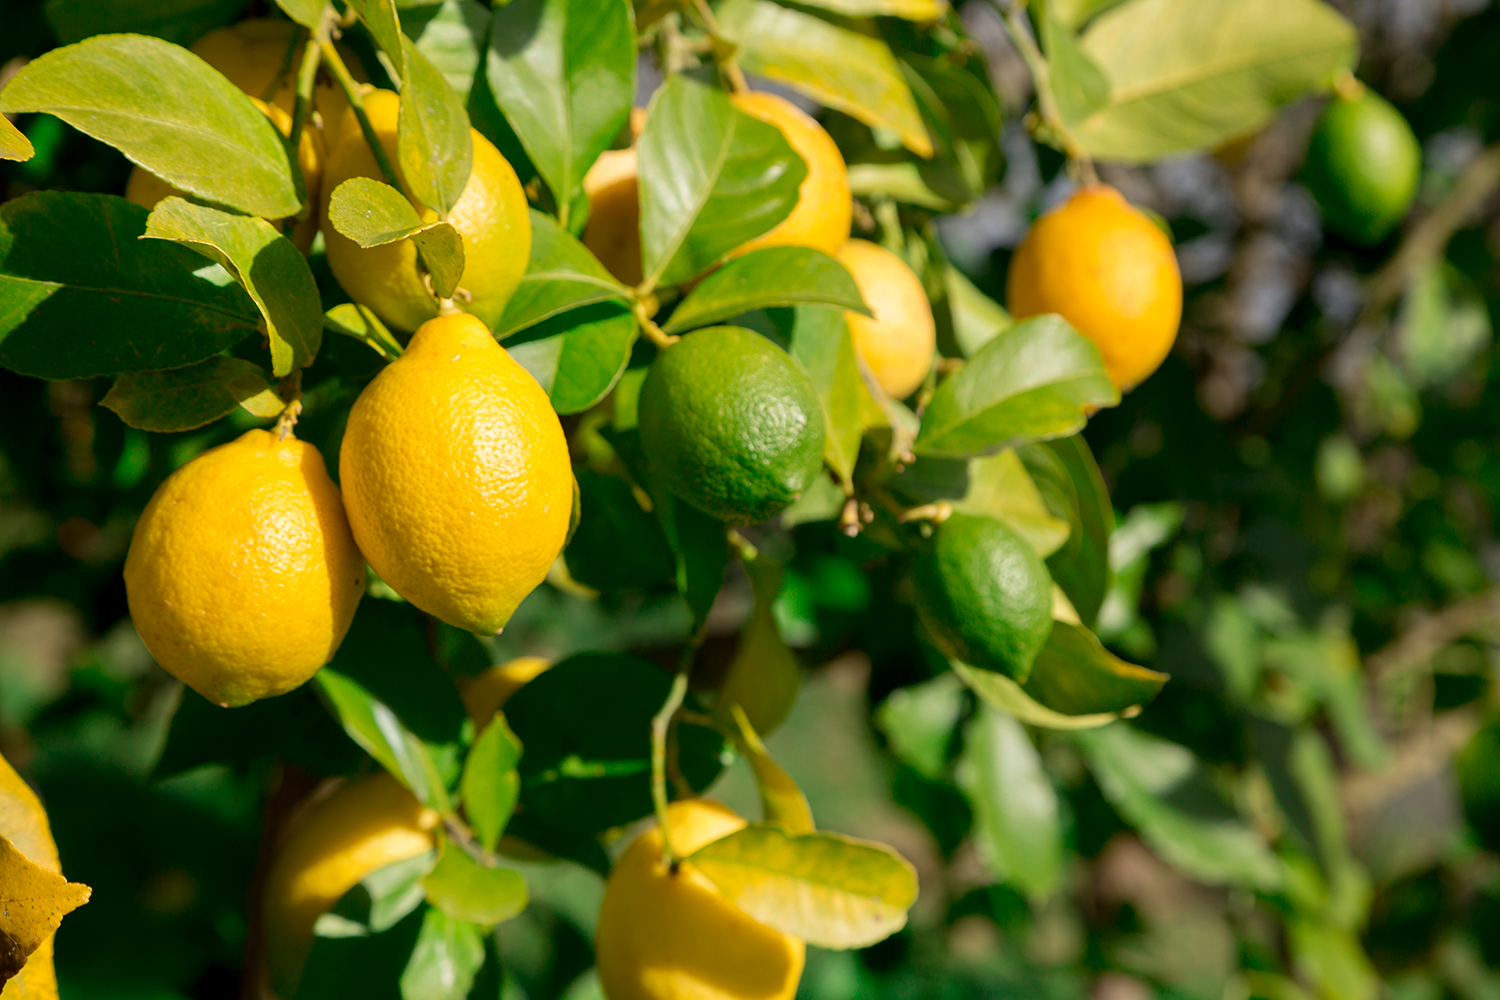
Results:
<point x="935" y="512"/>
<point x="357" y="104"/>
<point x="1347" y="86"/>
<point x="1020" y="34"/>
<point x="660" y="725"/>
<point x="290" y="389"/>
<point x="656" y="334"/>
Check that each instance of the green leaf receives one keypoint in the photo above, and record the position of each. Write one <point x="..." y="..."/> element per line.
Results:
<point x="829" y="890"/>
<point x="1158" y="789"/>
<point x="371" y="723"/>
<point x="70" y="264"/>
<point x="711" y="178"/>
<point x="618" y="544"/>
<point x="180" y="21"/>
<point x="578" y="356"/>
<point x="466" y="890"/>
<point x="372" y="214"/>
<point x="563" y="72"/>
<point x="293" y="725"/>
<point x="350" y="957"/>
<point x="1039" y="379"/>
<point x="1073" y="488"/>
<point x="977" y="318"/>
<point x="305" y="12"/>
<point x="168" y="111"/>
<point x="379" y="901"/>
<point x="354" y="320"/>
<point x="1002" y="693"/>
<point x="13" y="144"/>
<point x="1332" y="961"/>
<point x="445" y="961"/>
<point x="184" y="398"/>
<point x="452" y="39"/>
<point x="433" y="142"/>
<point x="1078" y="86"/>
<point x="781" y="800"/>
<point x="490" y="783"/>
<point x="562" y="274"/>
<point x="997" y="486"/>
<point x="262" y="260"/>
<point x="384" y="24"/>
<point x="1075" y="675"/>
<point x="918" y="722"/>
<point x="820" y="340"/>
<point x="1074" y="12"/>
<point x="773" y="276"/>
<point x="1193" y="74"/>
<point x="1017" y="827"/>
<point x="912" y="10"/>
<point x="848" y="68"/>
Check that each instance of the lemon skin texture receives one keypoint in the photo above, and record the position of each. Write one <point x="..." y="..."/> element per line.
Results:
<point x="491" y="216"/>
<point x="456" y="476"/>
<point x="899" y="341"/>
<point x="825" y="206"/>
<point x="146" y="189"/>
<point x="613" y="232"/>
<point x="242" y="575"/>
<point x="674" y="937"/>
<point x="1110" y="272"/>
<point x="23" y="822"/>
<point x="731" y="424"/>
<point x="485" y="694"/>
<point x="338" y="840"/>
<point x="1363" y="167"/>
<point x="983" y="595"/>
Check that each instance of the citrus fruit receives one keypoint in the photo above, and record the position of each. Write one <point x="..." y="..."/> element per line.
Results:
<point x="824" y="207"/>
<point x="1363" y="166"/>
<point x="731" y="424"/>
<point x="486" y="693"/>
<point x="1110" y="272"/>
<point x="899" y="340"/>
<point x="242" y="576"/>
<point x="256" y="56"/>
<point x="146" y="189"/>
<point x="23" y="822"/>
<point x="667" y="935"/>
<point x="328" y="849"/>
<point x="613" y="231"/>
<point x="491" y="216"/>
<point x="983" y="594"/>
<point x="456" y="476"/>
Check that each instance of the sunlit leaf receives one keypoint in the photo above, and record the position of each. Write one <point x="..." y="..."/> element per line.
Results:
<point x="781" y="800"/>
<point x="184" y="398"/>
<point x="464" y="889"/>
<point x="433" y="142"/>
<point x="446" y="959"/>
<point x="490" y="784"/>
<point x="562" y="274"/>
<point x="384" y="24"/>
<point x="773" y="276"/>
<point x="373" y="214"/>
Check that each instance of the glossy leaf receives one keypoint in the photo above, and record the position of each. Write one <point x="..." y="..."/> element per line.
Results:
<point x="77" y="287"/>
<point x="829" y="890"/>
<point x="433" y="143"/>
<point x="563" y="72"/>
<point x="820" y="340"/>
<point x="382" y="899"/>
<point x="561" y="275"/>
<point x="168" y="111"/>
<point x="490" y="783"/>
<point x="385" y="25"/>
<point x="446" y="959"/>
<point x="1002" y="693"/>
<point x="580" y="362"/>
<point x="1193" y="74"/>
<point x="373" y="214"/>
<point x="184" y="398"/>
<point x="851" y="70"/>
<point x="1039" y="379"/>
<point x="353" y="320"/>
<point x="1073" y="488"/>
<point x="1017" y="826"/>
<point x="1075" y="675"/>
<point x="180" y="21"/>
<point x="262" y="260"/>
<point x="781" y="800"/>
<point x="13" y="144"/>
<point x="711" y="178"/>
<point x="773" y="276"/>
<point x="464" y="889"/>
<point x="371" y="723"/>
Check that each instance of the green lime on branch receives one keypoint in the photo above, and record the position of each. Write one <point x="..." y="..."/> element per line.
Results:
<point x="1363" y="165"/>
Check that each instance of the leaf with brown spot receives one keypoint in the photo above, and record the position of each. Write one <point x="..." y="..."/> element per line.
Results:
<point x="33" y="902"/>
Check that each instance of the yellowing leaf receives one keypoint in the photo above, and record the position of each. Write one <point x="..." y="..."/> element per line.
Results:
<point x="829" y="890"/>
<point x="33" y="902"/>
<point x="14" y="145"/>
<point x="780" y="798"/>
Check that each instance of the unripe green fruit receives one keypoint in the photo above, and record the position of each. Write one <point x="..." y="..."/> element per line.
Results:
<point x="983" y="595"/>
<point x="1363" y="166"/>
<point x="731" y="424"/>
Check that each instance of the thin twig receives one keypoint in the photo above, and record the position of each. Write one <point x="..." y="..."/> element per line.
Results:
<point x="659" y="726"/>
<point x="356" y="103"/>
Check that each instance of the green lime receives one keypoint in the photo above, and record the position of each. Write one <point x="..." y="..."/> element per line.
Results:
<point x="731" y="424"/>
<point x="1363" y="166"/>
<point x="983" y="595"/>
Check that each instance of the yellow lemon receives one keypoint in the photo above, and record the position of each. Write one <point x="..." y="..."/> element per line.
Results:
<point x="825" y="207"/>
<point x="1109" y="271"/>
<point x="24" y="823"/>
<point x="146" y="189"/>
<point x="485" y="694"/>
<point x="242" y="575"/>
<point x="456" y="476"/>
<point x="491" y="216"/>
<point x="666" y="936"/>
<point x="899" y="340"/>
<point x="613" y="230"/>
<point x="328" y="849"/>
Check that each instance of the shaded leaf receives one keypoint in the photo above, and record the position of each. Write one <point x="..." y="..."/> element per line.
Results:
<point x="1075" y="675"/>
<point x="33" y="902"/>
<point x="305" y="12"/>
<point x="446" y="959"/>
<point x="1002" y="693"/>
<point x="561" y="275"/>
<point x="1079" y="87"/>
<point x="168" y="111"/>
<point x="180" y="21"/>
<point x="773" y="276"/>
<point x="184" y="398"/>
<point x="433" y="142"/>
<point x="464" y="889"/>
<point x="371" y="723"/>
<point x="618" y="545"/>
<point x="1073" y="489"/>
<point x="452" y="39"/>
<point x="820" y="340"/>
<point x="372" y="214"/>
<point x="490" y="783"/>
<point x="354" y="320"/>
<point x="977" y="318"/>
<point x="580" y="362"/>
<point x="919" y="720"/>
<point x="293" y="726"/>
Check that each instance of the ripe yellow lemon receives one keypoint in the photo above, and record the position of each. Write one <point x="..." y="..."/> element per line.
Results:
<point x="328" y="849"/>
<point x="491" y="216"/>
<point x="825" y="208"/>
<point x="485" y="694"/>
<point x="456" y="476"/>
<point x="899" y="340"/>
<point x="242" y="575"/>
<point x="23" y="822"/>
<point x="146" y="189"/>
<point x="666" y="936"/>
<point x="613" y="231"/>
<point x="1109" y="271"/>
